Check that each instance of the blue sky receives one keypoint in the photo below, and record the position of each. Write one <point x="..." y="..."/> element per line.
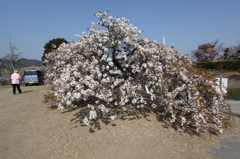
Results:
<point x="184" y="23"/>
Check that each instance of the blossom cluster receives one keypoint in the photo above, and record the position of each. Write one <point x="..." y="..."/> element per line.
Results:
<point x="118" y="69"/>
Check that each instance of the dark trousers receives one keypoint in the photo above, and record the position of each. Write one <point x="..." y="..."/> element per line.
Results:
<point x="18" y="88"/>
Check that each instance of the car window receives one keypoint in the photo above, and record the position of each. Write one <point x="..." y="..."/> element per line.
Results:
<point x="30" y="73"/>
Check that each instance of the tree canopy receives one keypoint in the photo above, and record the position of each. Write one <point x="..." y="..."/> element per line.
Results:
<point x="52" y="45"/>
<point x="111" y="72"/>
<point x="207" y="52"/>
<point x="232" y="53"/>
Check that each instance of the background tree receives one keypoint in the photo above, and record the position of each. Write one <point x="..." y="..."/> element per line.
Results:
<point x="226" y="54"/>
<point x="207" y="52"/>
<point x="52" y="45"/>
<point x="232" y="53"/>
<point x="11" y="59"/>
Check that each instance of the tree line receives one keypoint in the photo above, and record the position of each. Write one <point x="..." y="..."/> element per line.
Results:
<point x="215" y="51"/>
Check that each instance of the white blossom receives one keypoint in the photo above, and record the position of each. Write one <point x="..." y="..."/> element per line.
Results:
<point x="93" y="114"/>
<point x="112" y="117"/>
<point x="85" y="121"/>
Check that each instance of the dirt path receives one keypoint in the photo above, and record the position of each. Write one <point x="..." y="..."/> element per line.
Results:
<point x="30" y="130"/>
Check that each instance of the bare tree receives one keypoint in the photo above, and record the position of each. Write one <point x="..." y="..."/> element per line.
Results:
<point x="11" y="58"/>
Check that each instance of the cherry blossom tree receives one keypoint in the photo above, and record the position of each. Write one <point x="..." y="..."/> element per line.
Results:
<point x="207" y="52"/>
<point x="232" y="53"/>
<point x="111" y="70"/>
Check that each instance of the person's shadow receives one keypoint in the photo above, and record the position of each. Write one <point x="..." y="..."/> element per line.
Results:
<point x="27" y="91"/>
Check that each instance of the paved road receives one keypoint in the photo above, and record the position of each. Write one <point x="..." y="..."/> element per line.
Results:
<point x="235" y="105"/>
<point x="231" y="146"/>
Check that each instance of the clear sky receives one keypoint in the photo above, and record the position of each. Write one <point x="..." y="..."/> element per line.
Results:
<point x="184" y="23"/>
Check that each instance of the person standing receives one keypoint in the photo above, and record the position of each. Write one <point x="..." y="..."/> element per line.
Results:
<point x="15" y="78"/>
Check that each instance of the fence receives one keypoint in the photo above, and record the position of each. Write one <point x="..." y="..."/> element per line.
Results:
<point x="230" y="80"/>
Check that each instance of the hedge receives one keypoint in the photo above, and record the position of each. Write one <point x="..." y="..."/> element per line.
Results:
<point x="231" y="65"/>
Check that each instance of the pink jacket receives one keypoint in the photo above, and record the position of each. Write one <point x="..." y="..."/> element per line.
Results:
<point x="15" y="77"/>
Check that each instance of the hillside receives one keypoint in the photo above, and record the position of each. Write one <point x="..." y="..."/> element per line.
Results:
<point x="23" y="62"/>
<point x="31" y="62"/>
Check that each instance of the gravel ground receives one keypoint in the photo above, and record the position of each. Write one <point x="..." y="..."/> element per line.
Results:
<point x="30" y="130"/>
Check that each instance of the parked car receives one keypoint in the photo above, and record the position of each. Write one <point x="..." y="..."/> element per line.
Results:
<point x="33" y="77"/>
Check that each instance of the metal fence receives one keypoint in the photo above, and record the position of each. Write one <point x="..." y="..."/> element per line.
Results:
<point x="229" y="82"/>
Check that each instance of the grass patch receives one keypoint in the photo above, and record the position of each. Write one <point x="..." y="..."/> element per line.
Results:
<point x="236" y="115"/>
<point x="5" y="86"/>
